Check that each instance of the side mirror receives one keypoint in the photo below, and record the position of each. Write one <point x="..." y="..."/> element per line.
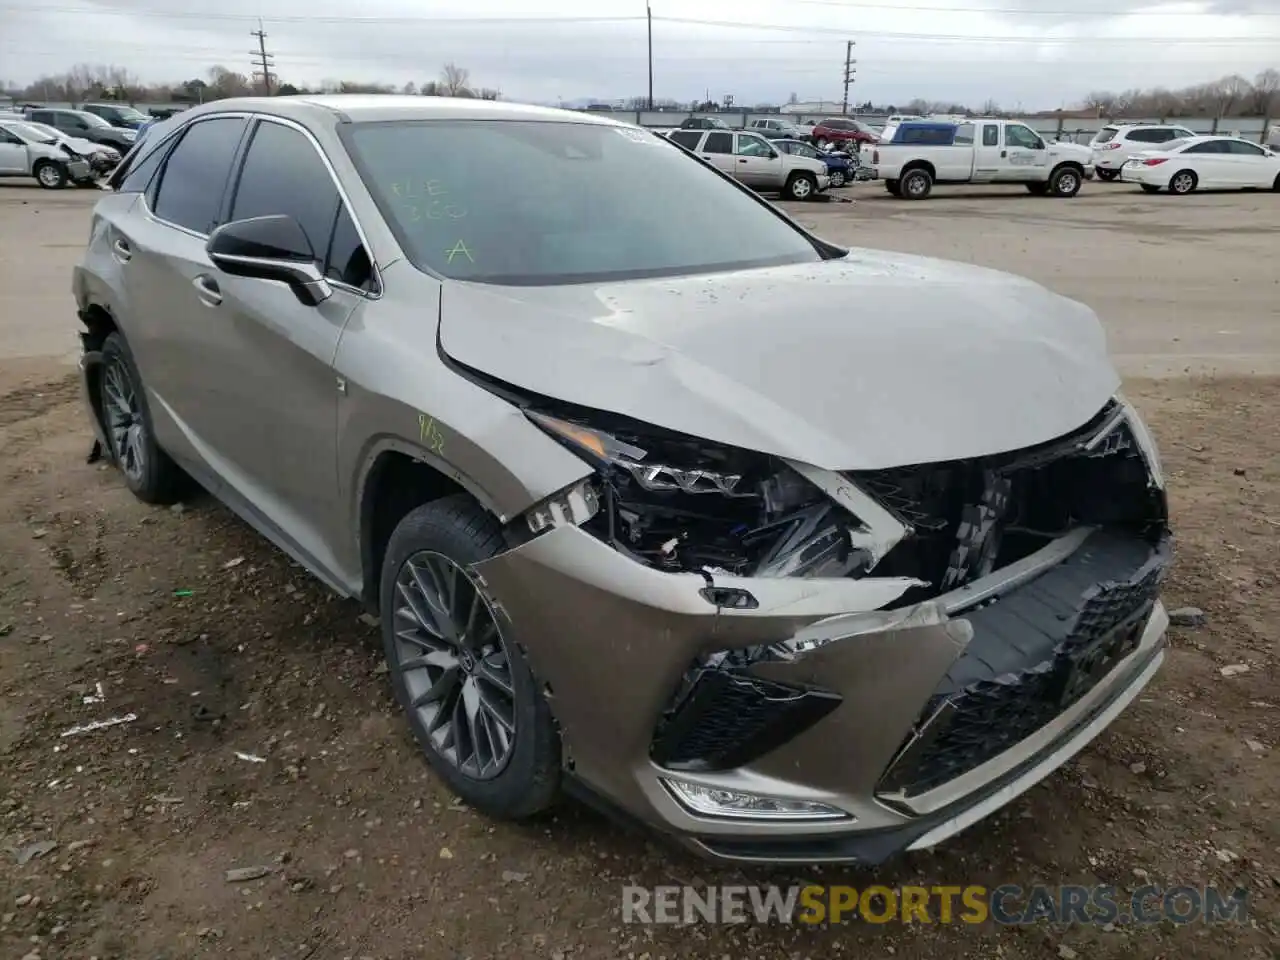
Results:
<point x="270" y="248"/>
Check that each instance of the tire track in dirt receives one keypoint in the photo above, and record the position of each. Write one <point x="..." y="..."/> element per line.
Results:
<point x="26" y="403"/>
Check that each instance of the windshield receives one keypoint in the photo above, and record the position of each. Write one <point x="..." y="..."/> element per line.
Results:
<point x="130" y="113"/>
<point x="592" y="202"/>
<point x="44" y="130"/>
<point x="30" y="133"/>
<point x="92" y="119"/>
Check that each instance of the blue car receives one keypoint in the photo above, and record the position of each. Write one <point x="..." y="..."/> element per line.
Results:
<point x="840" y="166"/>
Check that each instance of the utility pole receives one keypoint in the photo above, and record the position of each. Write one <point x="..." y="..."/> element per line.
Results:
<point x="263" y="59"/>
<point x="648" y="12"/>
<point x="849" y="71"/>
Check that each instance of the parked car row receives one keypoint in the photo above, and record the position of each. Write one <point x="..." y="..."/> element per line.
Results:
<point x="837" y="132"/>
<point x="756" y="162"/>
<point x="29" y="149"/>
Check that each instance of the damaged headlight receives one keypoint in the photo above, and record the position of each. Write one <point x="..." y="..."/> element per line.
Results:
<point x="683" y="504"/>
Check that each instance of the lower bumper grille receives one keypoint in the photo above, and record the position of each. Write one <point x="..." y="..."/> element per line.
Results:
<point x="726" y="718"/>
<point x="1035" y="653"/>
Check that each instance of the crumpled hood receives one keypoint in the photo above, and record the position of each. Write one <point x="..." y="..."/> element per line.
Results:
<point x="871" y="361"/>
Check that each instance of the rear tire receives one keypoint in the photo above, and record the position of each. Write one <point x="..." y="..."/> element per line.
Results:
<point x="50" y="175"/>
<point x="1276" y="186"/>
<point x="148" y="471"/>
<point x="1107" y="175"/>
<point x="915" y="184"/>
<point x="1183" y="182"/>
<point x="459" y="734"/>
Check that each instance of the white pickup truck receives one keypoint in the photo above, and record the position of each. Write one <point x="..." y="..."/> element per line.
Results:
<point x="924" y="152"/>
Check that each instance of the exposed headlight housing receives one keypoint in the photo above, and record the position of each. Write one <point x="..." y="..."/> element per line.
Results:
<point x="721" y="804"/>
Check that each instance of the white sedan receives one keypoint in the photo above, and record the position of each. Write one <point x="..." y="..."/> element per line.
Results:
<point x="1208" y="163"/>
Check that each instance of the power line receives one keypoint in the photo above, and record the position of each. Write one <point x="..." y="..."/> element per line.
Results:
<point x="250" y="18"/>
<point x="263" y="58"/>
<point x="1028" y="12"/>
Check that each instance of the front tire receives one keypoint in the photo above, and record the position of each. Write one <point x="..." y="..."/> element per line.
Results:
<point x="1065" y="182"/>
<point x="50" y="175"/>
<point x="837" y="178"/>
<point x="462" y="679"/>
<point x="148" y="471"/>
<point x="802" y="186"/>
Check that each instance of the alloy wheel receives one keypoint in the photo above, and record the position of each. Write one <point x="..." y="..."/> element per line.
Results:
<point x="453" y="662"/>
<point x="49" y="175"/>
<point x="1067" y="183"/>
<point x="125" y="425"/>
<point x="1182" y="183"/>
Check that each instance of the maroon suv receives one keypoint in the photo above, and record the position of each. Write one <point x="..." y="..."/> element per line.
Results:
<point x="843" y="131"/>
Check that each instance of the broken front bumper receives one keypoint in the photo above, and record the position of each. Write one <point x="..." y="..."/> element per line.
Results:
<point x="915" y="740"/>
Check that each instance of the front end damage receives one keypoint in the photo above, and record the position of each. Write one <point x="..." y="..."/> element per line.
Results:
<point x="777" y="662"/>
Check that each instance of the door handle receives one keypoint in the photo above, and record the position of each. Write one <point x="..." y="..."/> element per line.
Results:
<point x="120" y="250"/>
<point x="742" y="159"/>
<point x="207" y="290"/>
<point x="1004" y="153"/>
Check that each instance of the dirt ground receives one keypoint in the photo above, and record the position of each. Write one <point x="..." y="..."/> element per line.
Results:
<point x="220" y="646"/>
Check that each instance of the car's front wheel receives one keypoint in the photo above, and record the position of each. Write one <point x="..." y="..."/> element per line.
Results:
<point x="50" y="175"/>
<point x="148" y="471"/>
<point x="837" y="178"/>
<point x="802" y="186"/>
<point x="1184" y="181"/>
<point x="458" y="673"/>
<point x="1065" y="181"/>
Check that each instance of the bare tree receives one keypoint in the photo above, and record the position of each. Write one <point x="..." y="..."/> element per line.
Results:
<point x="1266" y="93"/>
<point x="453" y="80"/>
<point x="1230" y="92"/>
<point x="226" y="83"/>
<point x="990" y="109"/>
<point x="410" y="89"/>
<point x="431" y="88"/>
<point x="489" y="93"/>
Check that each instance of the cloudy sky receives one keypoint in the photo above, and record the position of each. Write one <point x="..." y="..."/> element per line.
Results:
<point x="1029" y="53"/>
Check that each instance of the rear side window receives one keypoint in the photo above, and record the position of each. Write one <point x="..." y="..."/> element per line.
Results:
<point x="930" y="136"/>
<point x="964" y="133"/>
<point x="718" y="143"/>
<point x="1150" y="136"/>
<point x="1209" y="146"/>
<point x="42" y="116"/>
<point x="1107" y="134"/>
<point x="990" y="135"/>
<point x="195" y="173"/>
<point x="1240" y="148"/>
<point x="283" y="173"/>
<point x="687" y="138"/>
<point x="138" y="177"/>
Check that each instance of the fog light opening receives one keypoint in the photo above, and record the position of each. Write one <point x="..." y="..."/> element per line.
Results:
<point x="738" y="805"/>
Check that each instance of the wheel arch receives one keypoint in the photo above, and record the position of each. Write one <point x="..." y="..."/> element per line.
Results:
<point x="919" y="164"/>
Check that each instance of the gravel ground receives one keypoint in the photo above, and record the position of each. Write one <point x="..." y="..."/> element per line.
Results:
<point x="223" y="649"/>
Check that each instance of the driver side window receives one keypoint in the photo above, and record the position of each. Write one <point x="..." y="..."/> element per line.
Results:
<point x="749" y="146"/>
<point x="7" y="137"/>
<point x="1016" y="135"/>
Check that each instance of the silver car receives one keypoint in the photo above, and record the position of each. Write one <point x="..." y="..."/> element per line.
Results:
<point x="26" y="151"/>
<point x="641" y="518"/>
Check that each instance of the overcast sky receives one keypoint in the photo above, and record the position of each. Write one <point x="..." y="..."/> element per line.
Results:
<point x="1029" y="53"/>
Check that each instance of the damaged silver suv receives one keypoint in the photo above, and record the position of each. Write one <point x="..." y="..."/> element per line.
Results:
<point x="640" y="519"/>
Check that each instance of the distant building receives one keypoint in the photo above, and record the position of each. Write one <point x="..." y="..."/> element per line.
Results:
<point x="814" y="106"/>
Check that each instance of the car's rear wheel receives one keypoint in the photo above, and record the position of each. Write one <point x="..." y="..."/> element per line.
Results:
<point x="50" y="175"/>
<point x="802" y="186"/>
<point x="1276" y="186"/>
<point x="148" y="471"/>
<point x="458" y="673"/>
<point x="1184" y="181"/>
<point x="1149" y="188"/>
<point x="915" y="184"/>
<point x="1106" y="174"/>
